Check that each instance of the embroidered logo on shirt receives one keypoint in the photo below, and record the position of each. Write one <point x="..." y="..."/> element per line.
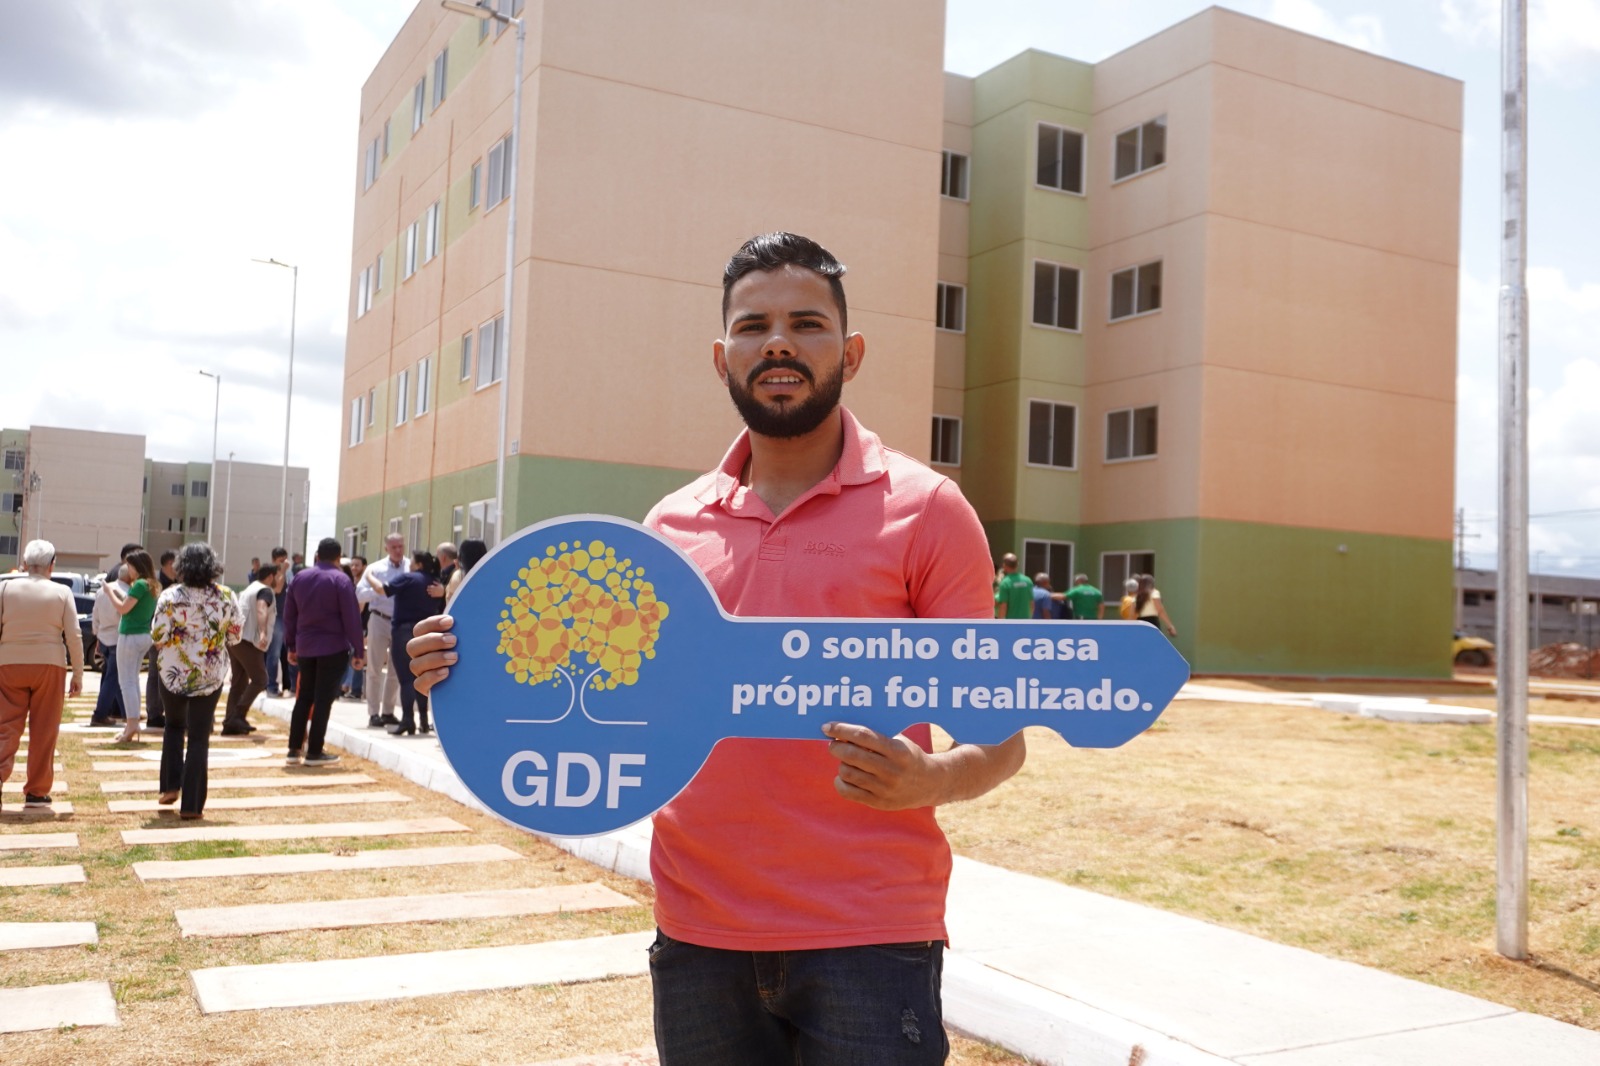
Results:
<point x="823" y="547"/>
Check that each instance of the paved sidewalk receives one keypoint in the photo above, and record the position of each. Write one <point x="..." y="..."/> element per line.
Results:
<point x="1062" y="976"/>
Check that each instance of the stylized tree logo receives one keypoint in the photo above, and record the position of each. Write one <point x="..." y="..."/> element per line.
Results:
<point x="580" y="611"/>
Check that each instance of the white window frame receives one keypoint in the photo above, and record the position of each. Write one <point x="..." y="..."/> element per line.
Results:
<point x="394" y="525"/>
<point x="364" y="292"/>
<point x="424" y="386"/>
<point x="466" y="354"/>
<point x="933" y="452"/>
<point x="480" y="521"/>
<point x="1083" y="156"/>
<point x="1113" y="592"/>
<point x="369" y="168"/>
<point x="430" y="232"/>
<point x="387" y="138"/>
<point x="1131" y="436"/>
<point x="1137" y="270"/>
<point x="377" y="274"/>
<point x="950" y="292"/>
<point x="1138" y="149"/>
<point x="499" y="166"/>
<point x="419" y="103"/>
<point x="473" y="190"/>
<point x="496" y="350"/>
<point x="372" y="406"/>
<point x="458" y="518"/>
<point x="954" y="175"/>
<point x="413" y="239"/>
<point x="402" y="396"/>
<point x="1050" y="546"/>
<point x="414" y="537"/>
<point x="441" y="66"/>
<point x="349" y="541"/>
<point x="178" y="488"/>
<point x="1028" y="442"/>
<point x="199" y="490"/>
<point x="358" y="421"/>
<point x="1077" y="327"/>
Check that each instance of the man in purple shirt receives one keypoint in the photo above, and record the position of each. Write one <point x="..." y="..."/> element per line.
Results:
<point x="321" y="629"/>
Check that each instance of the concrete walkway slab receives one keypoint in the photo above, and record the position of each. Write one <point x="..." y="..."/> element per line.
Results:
<point x="395" y="910"/>
<point x="82" y="1003"/>
<point x="317" y="862"/>
<point x="250" y="803"/>
<point x="34" y="814"/>
<point x="18" y="876"/>
<point x="288" y="780"/>
<point x="395" y="827"/>
<point x="26" y="936"/>
<point x="388" y="977"/>
<point x="16" y="786"/>
<point x="219" y="760"/>
<point x="1422" y="711"/>
<point x="1510" y="1038"/>
<point x="644" y="1056"/>
<point x="28" y="841"/>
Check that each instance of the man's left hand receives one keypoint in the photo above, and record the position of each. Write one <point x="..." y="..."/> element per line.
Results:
<point x="887" y="773"/>
<point x="294" y="660"/>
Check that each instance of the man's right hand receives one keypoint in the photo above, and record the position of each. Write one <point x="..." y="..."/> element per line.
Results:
<point x="432" y="651"/>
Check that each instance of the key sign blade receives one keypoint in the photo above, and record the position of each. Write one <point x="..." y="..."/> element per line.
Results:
<point x="596" y="672"/>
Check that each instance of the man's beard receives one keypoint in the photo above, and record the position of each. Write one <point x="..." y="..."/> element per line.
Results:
<point x="788" y="418"/>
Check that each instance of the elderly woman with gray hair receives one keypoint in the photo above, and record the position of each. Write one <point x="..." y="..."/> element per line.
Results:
<point x="39" y="638"/>
<point x="195" y="621"/>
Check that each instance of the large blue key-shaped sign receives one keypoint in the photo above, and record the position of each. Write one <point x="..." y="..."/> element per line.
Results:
<point x="596" y="672"/>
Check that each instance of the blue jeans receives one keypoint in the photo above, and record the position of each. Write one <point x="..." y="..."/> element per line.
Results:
<point x="272" y="660"/>
<point x="109" y="703"/>
<point x="877" y="1005"/>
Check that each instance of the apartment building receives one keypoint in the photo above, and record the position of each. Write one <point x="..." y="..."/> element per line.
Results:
<point x="1187" y="311"/>
<point x="89" y="493"/>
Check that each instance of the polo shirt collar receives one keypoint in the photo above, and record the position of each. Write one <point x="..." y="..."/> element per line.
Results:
<point x="862" y="459"/>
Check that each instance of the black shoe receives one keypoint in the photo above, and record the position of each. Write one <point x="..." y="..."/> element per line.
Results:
<point x="37" y="803"/>
<point x="401" y="729"/>
<point x="374" y="721"/>
<point x="293" y="758"/>
<point x="155" y="723"/>
<point x="234" y="731"/>
<point x="424" y="728"/>
<point x="320" y="759"/>
<point x="108" y="722"/>
<point x="389" y="719"/>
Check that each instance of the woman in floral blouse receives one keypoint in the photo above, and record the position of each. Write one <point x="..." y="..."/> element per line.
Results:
<point x="195" y="621"/>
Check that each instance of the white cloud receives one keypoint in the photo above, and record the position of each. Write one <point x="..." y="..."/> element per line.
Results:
<point x="1358" y="31"/>
<point x="1563" y="35"/>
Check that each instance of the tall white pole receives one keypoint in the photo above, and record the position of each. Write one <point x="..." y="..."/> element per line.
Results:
<point x="1511" y="903"/>
<point x="511" y="249"/>
<point x="227" y="510"/>
<point x="288" y="405"/>
<point x="211" y="484"/>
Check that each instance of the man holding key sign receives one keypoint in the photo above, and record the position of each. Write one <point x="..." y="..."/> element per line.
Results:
<point x="800" y="885"/>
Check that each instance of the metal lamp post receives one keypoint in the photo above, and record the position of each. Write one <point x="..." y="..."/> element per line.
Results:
<point x="288" y="404"/>
<point x="227" y="510"/>
<point x="480" y="11"/>
<point x="211" y="487"/>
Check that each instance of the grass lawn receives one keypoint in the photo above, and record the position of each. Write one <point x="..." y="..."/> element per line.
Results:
<point x="1364" y="840"/>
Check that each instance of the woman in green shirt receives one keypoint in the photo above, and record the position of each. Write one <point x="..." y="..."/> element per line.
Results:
<point x="136" y="607"/>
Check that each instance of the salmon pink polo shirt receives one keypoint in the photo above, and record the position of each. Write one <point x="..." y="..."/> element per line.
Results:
<point x="760" y="853"/>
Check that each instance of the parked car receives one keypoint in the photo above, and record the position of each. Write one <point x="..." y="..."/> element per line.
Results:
<point x="1472" y="651"/>
<point x="83" y="593"/>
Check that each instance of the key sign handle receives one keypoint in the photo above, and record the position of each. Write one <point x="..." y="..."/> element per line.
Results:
<point x="596" y="672"/>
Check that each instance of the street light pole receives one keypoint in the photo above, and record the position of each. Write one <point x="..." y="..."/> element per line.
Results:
<point x="480" y="11"/>
<point x="211" y="485"/>
<point x="288" y="405"/>
<point x="227" y="510"/>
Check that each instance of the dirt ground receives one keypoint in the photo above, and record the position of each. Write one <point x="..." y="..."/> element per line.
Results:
<point x="147" y="962"/>
<point x="1364" y="840"/>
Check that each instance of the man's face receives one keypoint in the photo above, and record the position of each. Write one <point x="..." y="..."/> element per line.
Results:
<point x="166" y="568"/>
<point x="784" y="359"/>
<point x="396" y="547"/>
<point x="357" y="568"/>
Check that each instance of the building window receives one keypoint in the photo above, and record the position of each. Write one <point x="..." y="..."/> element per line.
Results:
<point x="953" y="178"/>
<point x="8" y="544"/>
<point x="199" y="489"/>
<point x="498" y="185"/>
<point x="177" y="488"/>
<point x="10" y="502"/>
<point x="1060" y="158"/>
<point x="1055" y="295"/>
<point x="1053" y="557"/>
<point x="386" y="137"/>
<point x="466" y="355"/>
<point x="372" y="405"/>
<point x="15" y="458"/>
<point x="441" y="63"/>
<point x="414" y="536"/>
<point x="430" y="232"/>
<point x="1136" y="291"/>
<point x="480" y="521"/>
<point x="419" y="103"/>
<point x="1052" y="434"/>
<point x="197" y="523"/>
<point x="364" y="292"/>
<point x="1140" y="148"/>
<point x="174" y="525"/>
<point x="413" y="233"/>
<point x="1117" y="567"/>
<point x="361" y="548"/>
<point x="946" y="449"/>
<point x="402" y="396"/>
<point x="377" y="273"/>
<point x="458" y="516"/>
<point x="358" y="421"/>
<point x="491" y="351"/>
<point x="424" y="383"/>
<point x="394" y="526"/>
<point x="1130" y="433"/>
<point x="952" y="311"/>
<point x="369" y="169"/>
<point x="349" y="540"/>
<point x="476" y="184"/>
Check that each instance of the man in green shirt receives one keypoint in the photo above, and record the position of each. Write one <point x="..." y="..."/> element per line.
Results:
<point x="1013" y="592"/>
<point x="1084" y="597"/>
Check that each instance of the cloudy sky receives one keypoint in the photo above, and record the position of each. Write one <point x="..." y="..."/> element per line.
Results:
<point x="150" y="149"/>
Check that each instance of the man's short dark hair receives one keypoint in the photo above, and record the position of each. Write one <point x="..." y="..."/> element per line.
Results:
<point x="329" y="550"/>
<point x="167" y="556"/>
<point x="769" y="251"/>
<point x="280" y="553"/>
<point x="126" y="548"/>
<point x="266" y="571"/>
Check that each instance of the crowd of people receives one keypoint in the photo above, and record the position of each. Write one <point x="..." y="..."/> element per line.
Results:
<point x="1018" y="596"/>
<point x="335" y="628"/>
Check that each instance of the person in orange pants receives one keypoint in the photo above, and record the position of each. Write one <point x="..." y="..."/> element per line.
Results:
<point x="39" y="637"/>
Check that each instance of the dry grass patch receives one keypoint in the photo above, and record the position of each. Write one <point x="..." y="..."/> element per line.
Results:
<point x="1365" y="840"/>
